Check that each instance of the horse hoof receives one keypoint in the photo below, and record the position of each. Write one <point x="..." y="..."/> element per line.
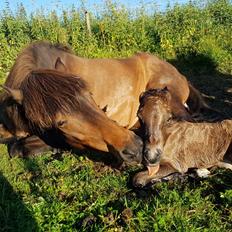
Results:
<point x="14" y="151"/>
<point x="138" y="185"/>
<point x="203" y="172"/>
<point x="139" y="181"/>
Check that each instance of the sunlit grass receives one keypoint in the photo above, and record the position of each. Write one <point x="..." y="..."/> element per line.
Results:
<point x="76" y="194"/>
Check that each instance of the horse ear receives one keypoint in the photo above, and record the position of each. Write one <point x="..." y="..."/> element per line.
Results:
<point x="165" y="89"/>
<point x="16" y="94"/>
<point x="59" y="65"/>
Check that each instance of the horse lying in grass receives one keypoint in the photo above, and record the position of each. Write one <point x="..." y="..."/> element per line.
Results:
<point x="115" y="85"/>
<point x="59" y="109"/>
<point x="172" y="146"/>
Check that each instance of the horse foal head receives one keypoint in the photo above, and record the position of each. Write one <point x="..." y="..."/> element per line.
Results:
<point x="154" y="111"/>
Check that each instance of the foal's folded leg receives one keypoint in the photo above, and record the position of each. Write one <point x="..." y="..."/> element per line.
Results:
<point x="143" y="178"/>
<point x="225" y="165"/>
<point x="203" y="172"/>
<point x="28" y="146"/>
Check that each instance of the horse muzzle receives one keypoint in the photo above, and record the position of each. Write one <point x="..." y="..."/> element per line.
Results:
<point x="133" y="151"/>
<point x="151" y="156"/>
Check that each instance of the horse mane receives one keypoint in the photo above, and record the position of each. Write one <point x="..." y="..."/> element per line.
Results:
<point x="27" y="61"/>
<point x="47" y="92"/>
<point x="157" y="93"/>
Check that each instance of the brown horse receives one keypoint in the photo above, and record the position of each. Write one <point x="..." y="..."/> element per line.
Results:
<point x="59" y="108"/>
<point x="115" y="83"/>
<point x="172" y="146"/>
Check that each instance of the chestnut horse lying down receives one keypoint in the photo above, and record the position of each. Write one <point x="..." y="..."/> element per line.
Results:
<point x="172" y="146"/>
<point x="60" y="110"/>
<point x="115" y="85"/>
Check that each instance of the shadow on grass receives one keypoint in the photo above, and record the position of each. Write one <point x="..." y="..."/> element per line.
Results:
<point x="14" y="215"/>
<point x="106" y="158"/>
<point x="202" y="72"/>
<point x="216" y="184"/>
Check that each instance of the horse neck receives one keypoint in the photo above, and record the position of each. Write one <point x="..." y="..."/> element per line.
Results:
<point x="23" y="65"/>
<point x="75" y="64"/>
<point x="32" y="58"/>
<point x="112" y="134"/>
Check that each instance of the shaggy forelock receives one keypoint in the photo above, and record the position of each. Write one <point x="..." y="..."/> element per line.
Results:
<point x="154" y="94"/>
<point x="47" y="92"/>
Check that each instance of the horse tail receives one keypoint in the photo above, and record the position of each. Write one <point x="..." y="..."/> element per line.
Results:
<point x="200" y="109"/>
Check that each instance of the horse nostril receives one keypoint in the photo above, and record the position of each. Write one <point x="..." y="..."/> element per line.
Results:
<point x="131" y="156"/>
<point x="152" y="157"/>
<point x="146" y="152"/>
<point x="158" y="154"/>
<point x="127" y="153"/>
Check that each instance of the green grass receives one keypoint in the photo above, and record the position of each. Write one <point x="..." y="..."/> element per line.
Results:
<point x="73" y="193"/>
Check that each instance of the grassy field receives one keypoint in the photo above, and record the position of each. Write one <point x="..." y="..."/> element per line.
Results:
<point x="78" y="192"/>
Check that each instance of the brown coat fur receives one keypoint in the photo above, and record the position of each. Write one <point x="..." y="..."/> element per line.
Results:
<point x="115" y="83"/>
<point x="55" y="104"/>
<point x="181" y="145"/>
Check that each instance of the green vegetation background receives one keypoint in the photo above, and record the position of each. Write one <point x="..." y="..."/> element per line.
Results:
<point x="73" y="193"/>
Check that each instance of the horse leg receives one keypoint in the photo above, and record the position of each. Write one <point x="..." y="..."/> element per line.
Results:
<point x="28" y="146"/>
<point x="179" y="110"/>
<point x="143" y="178"/>
<point x="225" y="165"/>
<point x="203" y="172"/>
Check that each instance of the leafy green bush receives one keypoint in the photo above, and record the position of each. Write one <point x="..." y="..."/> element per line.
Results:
<point x="194" y="28"/>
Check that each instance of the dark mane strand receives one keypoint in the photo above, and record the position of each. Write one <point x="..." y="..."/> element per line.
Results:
<point x="47" y="92"/>
<point x="158" y="93"/>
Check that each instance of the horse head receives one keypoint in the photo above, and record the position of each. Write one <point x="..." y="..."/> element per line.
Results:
<point x="154" y="111"/>
<point x="55" y="101"/>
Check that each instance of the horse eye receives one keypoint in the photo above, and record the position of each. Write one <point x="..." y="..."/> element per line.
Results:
<point x="61" y="123"/>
